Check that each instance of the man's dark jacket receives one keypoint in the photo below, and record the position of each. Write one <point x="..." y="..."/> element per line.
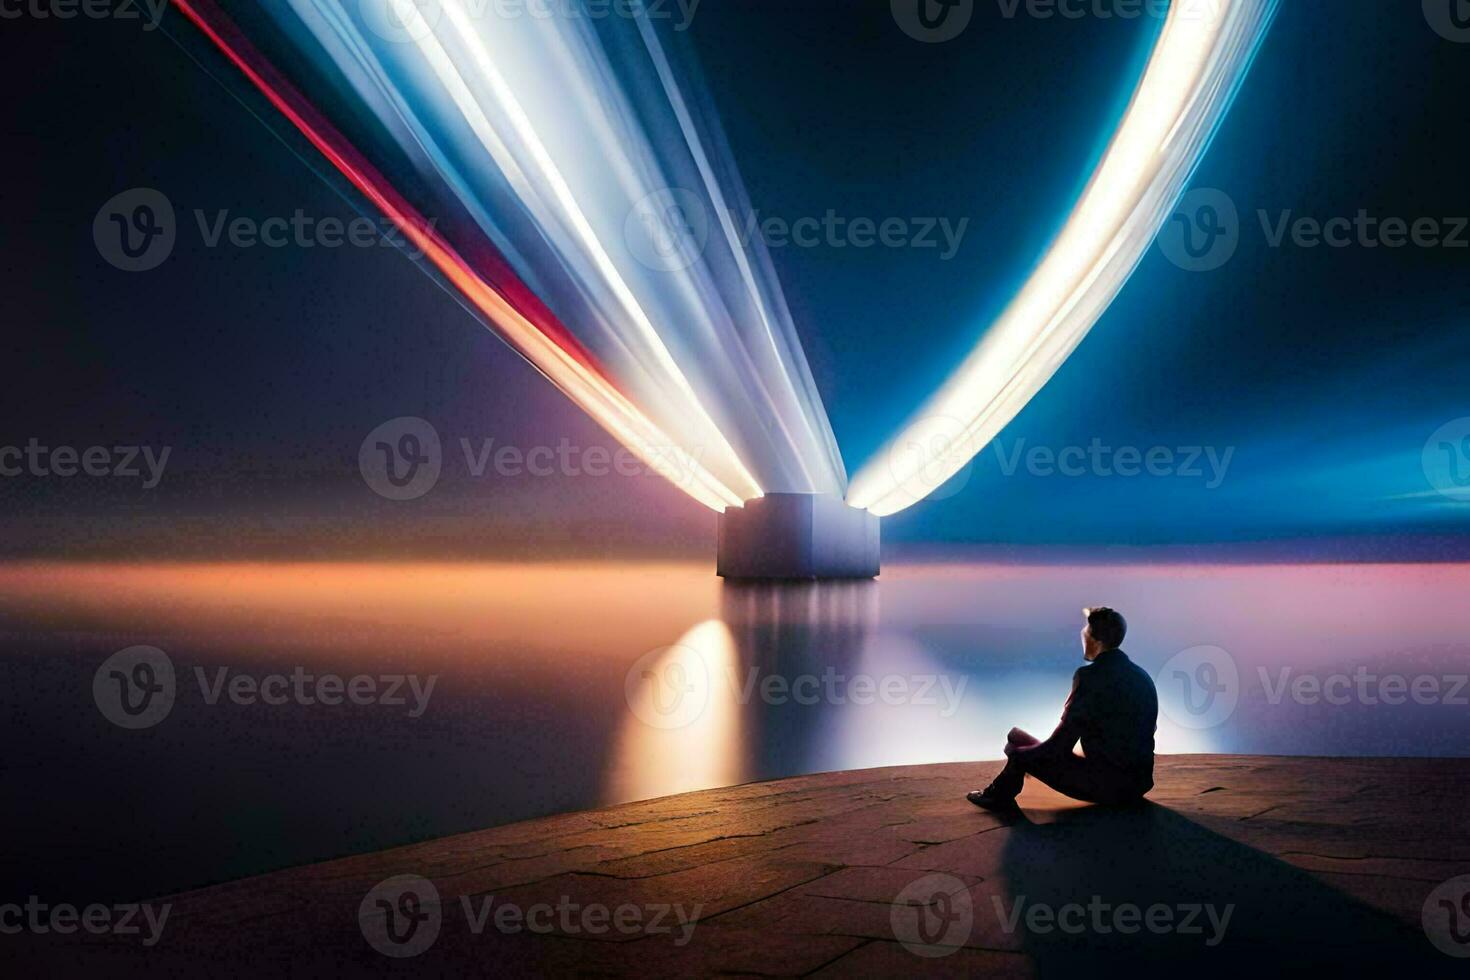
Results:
<point x="1113" y="710"/>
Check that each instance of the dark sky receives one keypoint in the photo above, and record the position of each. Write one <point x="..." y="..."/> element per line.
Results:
<point x="1322" y="371"/>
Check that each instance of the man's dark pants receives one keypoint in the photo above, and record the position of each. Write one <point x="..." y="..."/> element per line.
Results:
<point x="1081" y="778"/>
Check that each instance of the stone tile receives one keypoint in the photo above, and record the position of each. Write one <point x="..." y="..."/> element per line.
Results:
<point x="715" y="950"/>
<point x="792" y="917"/>
<point x="882" y="846"/>
<point x="889" y="959"/>
<point x="1328" y="860"/>
<point x="978" y="855"/>
<point x="868" y="884"/>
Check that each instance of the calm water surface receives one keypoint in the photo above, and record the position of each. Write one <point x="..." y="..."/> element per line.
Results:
<point x="559" y="687"/>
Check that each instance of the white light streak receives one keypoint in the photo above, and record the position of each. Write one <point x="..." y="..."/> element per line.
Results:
<point x="1197" y="64"/>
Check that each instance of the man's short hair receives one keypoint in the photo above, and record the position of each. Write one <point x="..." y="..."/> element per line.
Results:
<point x="1107" y="626"/>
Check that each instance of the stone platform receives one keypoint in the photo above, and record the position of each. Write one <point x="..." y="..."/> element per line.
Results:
<point x="1265" y="865"/>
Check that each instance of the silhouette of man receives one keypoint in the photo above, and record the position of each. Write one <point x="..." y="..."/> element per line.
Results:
<point x="1113" y="711"/>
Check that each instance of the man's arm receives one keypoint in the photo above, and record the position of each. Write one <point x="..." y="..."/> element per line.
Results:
<point x="1069" y="730"/>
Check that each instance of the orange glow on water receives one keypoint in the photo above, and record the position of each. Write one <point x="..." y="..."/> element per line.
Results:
<point x="430" y="610"/>
<point x="666" y="746"/>
<point x="551" y="648"/>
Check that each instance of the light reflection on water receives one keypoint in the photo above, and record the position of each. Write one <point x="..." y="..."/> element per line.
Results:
<point x="679" y="735"/>
<point x="567" y="686"/>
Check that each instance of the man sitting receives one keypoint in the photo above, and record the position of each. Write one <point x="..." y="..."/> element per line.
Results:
<point x="1113" y="710"/>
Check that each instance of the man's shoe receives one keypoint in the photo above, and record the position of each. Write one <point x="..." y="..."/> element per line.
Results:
<point x="987" y="800"/>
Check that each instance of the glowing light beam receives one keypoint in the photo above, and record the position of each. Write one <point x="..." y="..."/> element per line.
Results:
<point x="1197" y="65"/>
<point x="504" y="301"/>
